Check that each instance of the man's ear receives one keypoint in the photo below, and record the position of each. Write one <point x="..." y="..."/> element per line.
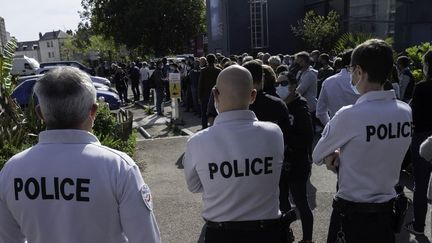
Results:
<point x="39" y="112"/>
<point x="253" y="96"/>
<point x="215" y="94"/>
<point x="93" y="111"/>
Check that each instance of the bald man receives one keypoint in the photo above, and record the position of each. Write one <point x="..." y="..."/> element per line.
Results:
<point x="236" y="165"/>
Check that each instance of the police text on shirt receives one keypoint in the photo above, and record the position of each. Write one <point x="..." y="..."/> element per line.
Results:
<point x="389" y="131"/>
<point x="254" y="166"/>
<point x="59" y="188"/>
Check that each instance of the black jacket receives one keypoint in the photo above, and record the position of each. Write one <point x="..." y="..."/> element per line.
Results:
<point x="420" y="104"/>
<point x="270" y="108"/>
<point x="299" y="144"/>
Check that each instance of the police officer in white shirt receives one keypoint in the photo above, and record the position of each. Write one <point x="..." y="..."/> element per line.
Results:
<point x="371" y="138"/>
<point x="336" y="92"/>
<point x="236" y="165"/>
<point x="69" y="187"/>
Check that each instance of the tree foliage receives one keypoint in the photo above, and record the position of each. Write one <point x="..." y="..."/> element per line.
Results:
<point x="318" y="32"/>
<point x="350" y="41"/>
<point x="17" y="126"/>
<point x="85" y="42"/>
<point x="158" y="26"/>
<point x="416" y="53"/>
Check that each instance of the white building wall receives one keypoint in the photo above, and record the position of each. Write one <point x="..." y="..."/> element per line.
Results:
<point x="49" y="50"/>
<point x="29" y="53"/>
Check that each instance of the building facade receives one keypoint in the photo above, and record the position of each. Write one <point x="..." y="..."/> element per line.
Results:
<point x="408" y="22"/>
<point x="29" y="49"/>
<point x="250" y="26"/>
<point x="235" y="27"/>
<point x="50" y="46"/>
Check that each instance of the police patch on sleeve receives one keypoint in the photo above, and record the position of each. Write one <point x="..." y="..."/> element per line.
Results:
<point x="146" y="196"/>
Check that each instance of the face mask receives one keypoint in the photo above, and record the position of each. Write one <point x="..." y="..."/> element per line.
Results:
<point x="216" y="106"/>
<point x="282" y="92"/>
<point x="354" y="87"/>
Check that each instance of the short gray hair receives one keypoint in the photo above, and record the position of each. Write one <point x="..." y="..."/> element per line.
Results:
<point x="66" y="95"/>
<point x="274" y="60"/>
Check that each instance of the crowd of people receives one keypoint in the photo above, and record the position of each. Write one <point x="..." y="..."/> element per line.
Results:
<point x="259" y="116"/>
<point x="359" y="93"/>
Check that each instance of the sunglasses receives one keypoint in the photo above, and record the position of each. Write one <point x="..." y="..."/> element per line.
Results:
<point x="283" y="83"/>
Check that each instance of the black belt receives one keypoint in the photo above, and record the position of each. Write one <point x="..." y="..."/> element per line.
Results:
<point x="244" y="225"/>
<point x="348" y="206"/>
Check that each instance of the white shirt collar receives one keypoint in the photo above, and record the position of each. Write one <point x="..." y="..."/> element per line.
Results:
<point x="67" y="136"/>
<point x="377" y="95"/>
<point x="235" y="115"/>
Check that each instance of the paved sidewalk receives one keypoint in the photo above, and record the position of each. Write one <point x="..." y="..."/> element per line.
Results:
<point x="178" y="211"/>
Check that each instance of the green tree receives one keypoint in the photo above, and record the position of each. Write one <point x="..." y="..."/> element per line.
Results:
<point x="351" y="40"/>
<point x="318" y="32"/>
<point x="85" y="41"/>
<point x="17" y="126"/>
<point x="157" y="26"/>
<point x="416" y="53"/>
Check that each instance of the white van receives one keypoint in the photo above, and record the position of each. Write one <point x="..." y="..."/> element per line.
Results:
<point x="23" y="65"/>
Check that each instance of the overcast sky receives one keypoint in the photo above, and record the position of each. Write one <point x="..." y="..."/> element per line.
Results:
<point x="24" y="19"/>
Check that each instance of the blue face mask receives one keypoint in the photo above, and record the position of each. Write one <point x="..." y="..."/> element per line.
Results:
<point x="354" y="87"/>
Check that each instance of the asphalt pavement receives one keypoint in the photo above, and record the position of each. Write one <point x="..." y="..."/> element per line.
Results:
<point x="178" y="211"/>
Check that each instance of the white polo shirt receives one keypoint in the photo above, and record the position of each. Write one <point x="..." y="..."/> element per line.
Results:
<point x="307" y="87"/>
<point x="373" y="136"/>
<point x="335" y="93"/>
<point x="70" y="188"/>
<point x="236" y="164"/>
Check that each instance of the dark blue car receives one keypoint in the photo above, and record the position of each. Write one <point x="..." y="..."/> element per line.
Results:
<point x="24" y="91"/>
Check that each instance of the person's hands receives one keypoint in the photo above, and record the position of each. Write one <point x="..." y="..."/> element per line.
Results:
<point x="332" y="161"/>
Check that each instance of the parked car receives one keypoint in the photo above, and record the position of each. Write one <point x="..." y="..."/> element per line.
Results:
<point x="69" y="63"/>
<point x="24" y="92"/>
<point x="23" y="65"/>
<point x="41" y="71"/>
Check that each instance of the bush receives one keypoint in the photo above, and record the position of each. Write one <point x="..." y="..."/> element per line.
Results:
<point x="19" y="127"/>
<point x="108" y="131"/>
<point x="415" y="53"/>
<point x="318" y="32"/>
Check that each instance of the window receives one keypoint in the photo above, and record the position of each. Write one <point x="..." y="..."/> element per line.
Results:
<point x="52" y="54"/>
<point x="49" y="54"/>
<point x="259" y="23"/>
<point x="48" y="44"/>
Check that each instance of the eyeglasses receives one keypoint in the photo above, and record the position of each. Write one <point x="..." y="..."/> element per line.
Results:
<point x="351" y="68"/>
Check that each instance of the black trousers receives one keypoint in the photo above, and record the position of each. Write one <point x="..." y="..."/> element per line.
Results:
<point x="270" y="235"/>
<point x="204" y="119"/>
<point x="299" y="194"/>
<point x="136" y="90"/>
<point x="362" y="227"/>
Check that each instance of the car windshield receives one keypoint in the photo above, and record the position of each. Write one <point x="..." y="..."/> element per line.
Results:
<point x="33" y="63"/>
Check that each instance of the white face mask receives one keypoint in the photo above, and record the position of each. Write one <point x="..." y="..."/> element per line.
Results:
<point x="216" y="106"/>
<point x="282" y="91"/>
<point x="354" y="87"/>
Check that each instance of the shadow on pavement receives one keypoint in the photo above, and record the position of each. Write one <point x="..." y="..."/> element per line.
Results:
<point x="179" y="162"/>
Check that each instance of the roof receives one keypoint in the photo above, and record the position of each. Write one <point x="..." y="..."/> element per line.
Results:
<point x="54" y="35"/>
<point x="26" y="45"/>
